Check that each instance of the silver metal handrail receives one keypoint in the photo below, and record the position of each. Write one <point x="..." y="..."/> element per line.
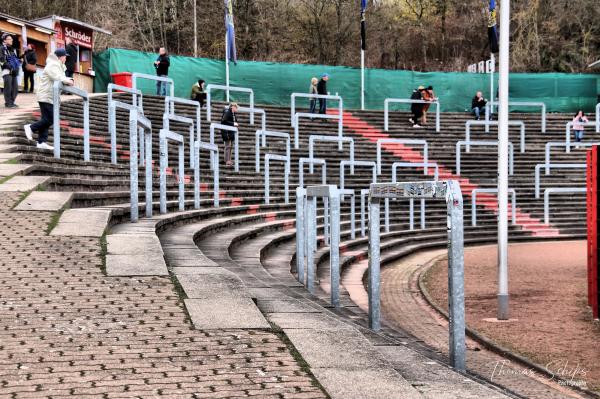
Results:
<point x="491" y="190"/>
<point x="353" y="164"/>
<point x="402" y="141"/>
<point x="170" y="115"/>
<point x="234" y="129"/>
<point x="136" y="75"/>
<point x="214" y="160"/>
<point x="315" y="96"/>
<point x="548" y="166"/>
<point x="315" y="137"/>
<point x="286" y="175"/>
<point x="136" y="101"/>
<point x="211" y="87"/>
<point x="164" y="137"/>
<point x="299" y="115"/>
<point x="388" y="101"/>
<point x="261" y="140"/>
<point x="58" y="88"/>
<point x="487" y="124"/>
<point x="551" y="144"/>
<point x="516" y="103"/>
<point x="568" y="128"/>
<point x="560" y="190"/>
<point x="511" y="152"/>
<point x="138" y="123"/>
<point x="317" y="161"/>
<point x="253" y="111"/>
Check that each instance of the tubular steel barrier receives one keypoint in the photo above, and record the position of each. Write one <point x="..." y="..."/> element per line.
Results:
<point x="313" y="161"/>
<point x="363" y="193"/>
<point x="402" y="141"/>
<point x="411" y="208"/>
<point x="298" y="115"/>
<point x="138" y="122"/>
<point x="470" y="123"/>
<point x="560" y="144"/>
<point x="450" y="191"/>
<point x="598" y="118"/>
<point x="548" y="166"/>
<point x="136" y="75"/>
<point x="301" y="239"/>
<point x="568" y="128"/>
<point x="386" y="112"/>
<point x="491" y="190"/>
<point x="286" y="175"/>
<point x="340" y="140"/>
<point x="228" y="89"/>
<point x="260" y="111"/>
<point x="170" y="115"/>
<point x="262" y="135"/>
<point x="315" y="96"/>
<point x="307" y="211"/>
<point x="352" y="194"/>
<point x="112" y="113"/>
<point x="58" y="88"/>
<point x="136" y="101"/>
<point x="236" y="149"/>
<point x="164" y="137"/>
<point x="214" y="160"/>
<point x="516" y="103"/>
<point x="560" y="190"/>
<point x="353" y="164"/>
<point x="511" y="152"/>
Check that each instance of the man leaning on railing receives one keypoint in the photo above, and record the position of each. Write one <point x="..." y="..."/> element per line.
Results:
<point x="54" y="71"/>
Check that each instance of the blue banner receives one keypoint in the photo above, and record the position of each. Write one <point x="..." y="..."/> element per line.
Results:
<point x="229" y="29"/>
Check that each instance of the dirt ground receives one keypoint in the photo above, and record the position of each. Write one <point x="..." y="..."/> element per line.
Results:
<point x="548" y="299"/>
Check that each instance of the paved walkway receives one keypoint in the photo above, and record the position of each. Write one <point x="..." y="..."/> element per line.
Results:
<point x="67" y="330"/>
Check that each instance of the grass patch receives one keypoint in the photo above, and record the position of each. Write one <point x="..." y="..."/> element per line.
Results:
<point x="54" y="221"/>
<point x="103" y="252"/>
<point x="304" y="366"/>
<point x="5" y="179"/>
<point x="13" y="161"/>
<point x="21" y="198"/>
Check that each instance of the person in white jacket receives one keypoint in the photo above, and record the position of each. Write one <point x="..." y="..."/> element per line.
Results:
<point x="54" y="71"/>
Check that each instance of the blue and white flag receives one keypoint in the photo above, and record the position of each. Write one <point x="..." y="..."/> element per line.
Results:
<point x="231" y="52"/>
<point x="492" y="30"/>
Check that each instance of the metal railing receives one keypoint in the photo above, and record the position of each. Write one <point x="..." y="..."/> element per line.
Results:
<point x="138" y="123"/>
<point x="386" y="111"/>
<point x="402" y="141"/>
<point x="317" y="161"/>
<point x="170" y="115"/>
<point x="411" y="208"/>
<point x="450" y="191"/>
<point x="548" y="166"/>
<point x="364" y="193"/>
<point x="57" y="88"/>
<point x="474" y="193"/>
<point x="516" y="103"/>
<point x="259" y="111"/>
<point x="568" y="128"/>
<point x="306" y="210"/>
<point x="214" y="165"/>
<point x="470" y="123"/>
<point x="286" y="175"/>
<point x="559" y="190"/>
<point x="598" y="118"/>
<point x="511" y="152"/>
<point x="298" y="115"/>
<point x="353" y="164"/>
<point x="315" y="96"/>
<point x="164" y="137"/>
<point x="551" y="144"/>
<point x="261" y="141"/>
<point x="228" y="89"/>
<point x="315" y="137"/>
<point x="236" y="149"/>
<point x="136" y="75"/>
<point x="136" y="101"/>
<point x="352" y="194"/>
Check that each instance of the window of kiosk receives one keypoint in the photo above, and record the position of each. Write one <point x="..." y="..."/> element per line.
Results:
<point x="85" y="60"/>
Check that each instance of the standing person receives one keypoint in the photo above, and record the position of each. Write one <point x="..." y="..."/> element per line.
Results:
<point x="322" y="89"/>
<point x="578" y="122"/>
<point x="313" y="90"/>
<point x="229" y="118"/>
<point x="55" y="70"/>
<point x="478" y="105"/>
<point x="29" y="68"/>
<point x="416" y="108"/>
<point x="198" y="93"/>
<point x="430" y="97"/>
<point x="162" y="64"/>
<point x="9" y="63"/>
<point x="71" y="63"/>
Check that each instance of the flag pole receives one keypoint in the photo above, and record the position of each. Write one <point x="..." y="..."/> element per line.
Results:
<point x="227" y="63"/>
<point x="362" y="79"/>
<point x="503" y="161"/>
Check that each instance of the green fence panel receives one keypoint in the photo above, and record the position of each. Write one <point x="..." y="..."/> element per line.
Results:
<point x="274" y="82"/>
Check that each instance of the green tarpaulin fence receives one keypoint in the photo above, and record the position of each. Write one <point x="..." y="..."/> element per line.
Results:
<point x="274" y="82"/>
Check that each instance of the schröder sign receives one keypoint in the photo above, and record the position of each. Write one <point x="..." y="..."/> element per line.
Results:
<point x="79" y="37"/>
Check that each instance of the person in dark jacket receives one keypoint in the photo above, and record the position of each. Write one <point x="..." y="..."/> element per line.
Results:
<point x="416" y="108"/>
<point x="198" y="93"/>
<point x="29" y="58"/>
<point x="10" y="65"/>
<point x="71" y="63"/>
<point x="322" y="89"/>
<point x="162" y="64"/>
<point x="229" y="118"/>
<point x="478" y="105"/>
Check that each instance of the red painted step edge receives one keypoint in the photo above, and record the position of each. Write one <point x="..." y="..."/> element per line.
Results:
<point x="490" y="201"/>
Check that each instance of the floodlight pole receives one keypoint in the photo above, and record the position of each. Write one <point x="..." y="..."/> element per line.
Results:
<point x="196" y="33"/>
<point x="503" y="313"/>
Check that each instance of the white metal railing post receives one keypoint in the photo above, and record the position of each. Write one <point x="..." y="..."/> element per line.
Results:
<point x="214" y="126"/>
<point x="352" y="195"/>
<point x="487" y="124"/>
<point x="474" y="193"/>
<point x="353" y="164"/>
<point x="568" y="128"/>
<point x="337" y="98"/>
<point x="164" y="137"/>
<point x="317" y="161"/>
<point x="261" y="135"/>
<point x="314" y="137"/>
<point x="299" y="115"/>
<point x="254" y="111"/>
<point x="560" y="190"/>
<point x="170" y="115"/>
<point x="136" y="75"/>
<point x="548" y="166"/>
<point x="214" y="165"/>
<point x="490" y="104"/>
<point x="57" y="88"/>
<point x="228" y="89"/>
<point x="286" y="175"/>
<point x="136" y="101"/>
<point x="380" y="142"/>
<point x="300" y="233"/>
<point x="461" y="143"/>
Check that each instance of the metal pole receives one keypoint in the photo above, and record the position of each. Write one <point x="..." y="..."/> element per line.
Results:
<point x="362" y="79"/>
<point x="492" y="67"/>
<point x="148" y="161"/>
<point x="196" y="34"/>
<point x="163" y="178"/>
<point x="374" y="264"/>
<point x="503" y="313"/>
<point x="227" y="63"/>
<point x="334" y="250"/>
<point x="311" y="227"/>
<point x="133" y="166"/>
<point x="181" y="173"/>
<point x="300" y="233"/>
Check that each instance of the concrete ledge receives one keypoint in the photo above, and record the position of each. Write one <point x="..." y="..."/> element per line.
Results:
<point x="7" y="169"/>
<point x="23" y="183"/>
<point x="225" y="312"/>
<point x="45" y="201"/>
<point x="82" y="222"/>
<point x="135" y="255"/>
